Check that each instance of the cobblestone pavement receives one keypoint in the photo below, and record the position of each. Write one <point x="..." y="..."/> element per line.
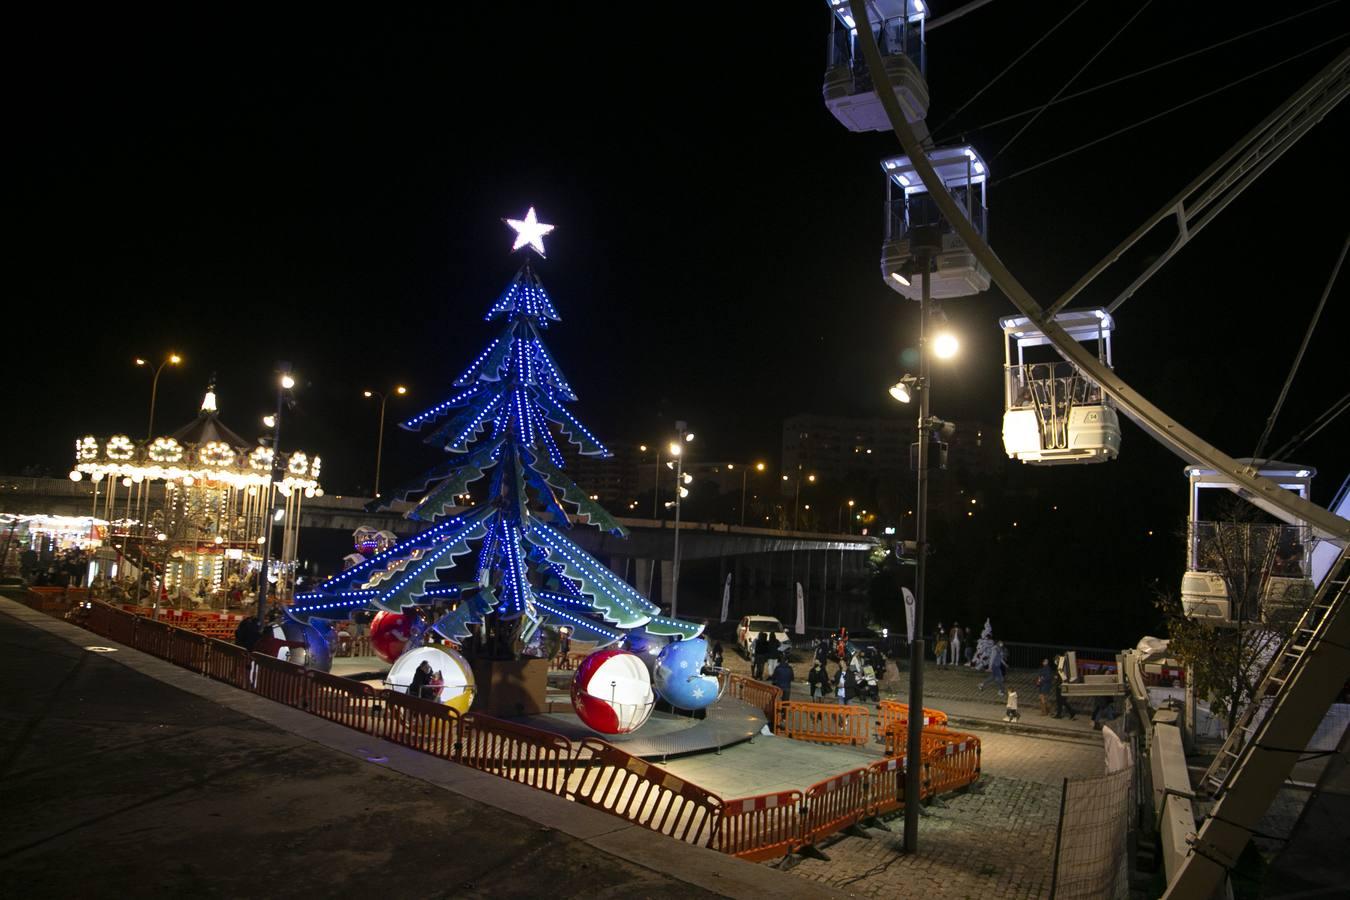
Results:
<point x="995" y="841"/>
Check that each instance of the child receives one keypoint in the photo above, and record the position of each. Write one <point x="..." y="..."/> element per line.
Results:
<point x="1012" y="714"/>
<point x="433" y="689"/>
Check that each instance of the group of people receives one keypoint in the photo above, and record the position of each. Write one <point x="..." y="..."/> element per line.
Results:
<point x="858" y="679"/>
<point x="953" y="646"/>
<point x="764" y="649"/>
<point x="426" y="682"/>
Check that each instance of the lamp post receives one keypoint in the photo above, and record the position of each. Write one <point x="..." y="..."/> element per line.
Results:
<point x="677" y="450"/>
<point x="285" y="381"/>
<point x="400" y="390"/>
<point x="745" y="472"/>
<point x="925" y="242"/>
<point x="850" y="516"/>
<point x="797" y="497"/>
<point x="656" y="487"/>
<point x="172" y="359"/>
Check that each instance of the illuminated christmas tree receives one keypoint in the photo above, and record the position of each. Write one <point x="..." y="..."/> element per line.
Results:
<point x="499" y="424"/>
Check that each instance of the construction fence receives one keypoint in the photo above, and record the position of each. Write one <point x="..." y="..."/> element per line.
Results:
<point x="591" y="772"/>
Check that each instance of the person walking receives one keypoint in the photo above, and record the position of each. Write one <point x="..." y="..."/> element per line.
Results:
<point x="782" y="678"/>
<point x="761" y="653"/>
<point x="819" y="681"/>
<point x="1045" y="686"/>
<point x="1061" y="705"/>
<point x="954" y="644"/>
<point x="997" y="669"/>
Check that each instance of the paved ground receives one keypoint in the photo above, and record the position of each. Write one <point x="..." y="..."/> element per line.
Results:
<point x="116" y="783"/>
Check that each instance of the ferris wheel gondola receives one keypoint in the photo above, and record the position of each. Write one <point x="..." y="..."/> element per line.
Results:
<point x="1053" y="413"/>
<point x="909" y="207"/>
<point x="897" y="26"/>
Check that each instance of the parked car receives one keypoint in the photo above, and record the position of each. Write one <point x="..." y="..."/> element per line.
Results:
<point x="751" y="627"/>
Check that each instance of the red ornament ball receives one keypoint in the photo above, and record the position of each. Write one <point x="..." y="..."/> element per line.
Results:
<point x="389" y="634"/>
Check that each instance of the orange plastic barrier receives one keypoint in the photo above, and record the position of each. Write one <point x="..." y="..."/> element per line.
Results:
<point x="278" y="680"/>
<point x="835" y="804"/>
<point x="953" y="765"/>
<point x="187" y="649"/>
<point x="768" y="826"/>
<point x="228" y="663"/>
<point x="540" y="759"/>
<point x="890" y="713"/>
<point x="616" y="782"/>
<point x="824" y="723"/>
<point x="886" y="786"/>
<point x="759" y="693"/>
<point x="341" y="700"/>
<point x="420" y="724"/>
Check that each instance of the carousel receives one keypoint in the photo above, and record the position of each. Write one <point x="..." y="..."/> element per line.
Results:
<point x="189" y="513"/>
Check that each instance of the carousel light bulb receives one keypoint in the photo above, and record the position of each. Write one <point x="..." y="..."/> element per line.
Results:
<point x="96" y="477"/>
<point x="137" y="478"/>
<point x="126" y="482"/>
<point x="188" y="481"/>
<point x="75" y="475"/>
<point x="219" y="539"/>
<point x="261" y="540"/>
<point x="161" y="536"/>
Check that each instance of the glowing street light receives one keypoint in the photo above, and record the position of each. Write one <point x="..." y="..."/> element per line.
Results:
<point x="400" y="391"/>
<point x="172" y="359"/>
<point x="945" y="345"/>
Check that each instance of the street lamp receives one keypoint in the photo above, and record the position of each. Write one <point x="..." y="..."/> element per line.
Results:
<point x="924" y="243"/>
<point x="172" y="359"/>
<point x="400" y="390"/>
<point x="676" y="449"/>
<point x="797" y="497"/>
<point x="745" y="472"/>
<point x="285" y="382"/>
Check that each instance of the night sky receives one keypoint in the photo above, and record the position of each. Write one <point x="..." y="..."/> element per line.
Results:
<point x="330" y="192"/>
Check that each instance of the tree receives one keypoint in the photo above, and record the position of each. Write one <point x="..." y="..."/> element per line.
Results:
<point x="499" y="423"/>
<point x="1225" y="662"/>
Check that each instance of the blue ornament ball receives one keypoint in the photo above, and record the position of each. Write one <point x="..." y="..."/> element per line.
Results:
<point x="679" y="677"/>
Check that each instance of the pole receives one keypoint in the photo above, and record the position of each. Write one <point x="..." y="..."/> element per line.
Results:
<point x="675" y="563"/>
<point x="914" y="750"/>
<point x="744" y="474"/>
<point x="154" y="390"/>
<point x="656" y="492"/>
<point x="269" y="501"/>
<point x="379" y="445"/>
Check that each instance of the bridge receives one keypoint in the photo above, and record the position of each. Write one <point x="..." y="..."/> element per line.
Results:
<point x="762" y="561"/>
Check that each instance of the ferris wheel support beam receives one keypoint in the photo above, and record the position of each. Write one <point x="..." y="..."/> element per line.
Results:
<point x="1229" y="175"/>
<point x="1162" y="427"/>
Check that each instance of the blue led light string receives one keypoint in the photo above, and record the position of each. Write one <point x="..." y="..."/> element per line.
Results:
<point x="440" y="409"/>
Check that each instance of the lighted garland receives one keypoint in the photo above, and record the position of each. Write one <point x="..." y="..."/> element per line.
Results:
<point x="216" y="453"/>
<point x="165" y="450"/>
<point x="120" y="447"/>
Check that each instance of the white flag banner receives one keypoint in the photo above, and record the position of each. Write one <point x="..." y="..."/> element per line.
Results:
<point x="726" y="597"/>
<point x="909" y="612"/>
<point x="801" y="611"/>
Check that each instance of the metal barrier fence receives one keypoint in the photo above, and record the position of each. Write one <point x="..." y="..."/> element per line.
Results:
<point x="420" y="724"/>
<point x="529" y="756"/>
<point x="342" y="700"/>
<point x="187" y="649"/>
<point x="227" y="663"/>
<point x="153" y="637"/>
<point x="595" y="773"/>
<point x="757" y="693"/>
<point x="278" y="680"/>
<point x="768" y="826"/>
<point x="607" y="778"/>
<point x="824" y="723"/>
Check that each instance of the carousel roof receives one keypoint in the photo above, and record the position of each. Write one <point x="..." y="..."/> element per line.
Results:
<point x="208" y="427"/>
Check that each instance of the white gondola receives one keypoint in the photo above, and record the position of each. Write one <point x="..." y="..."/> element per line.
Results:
<point x="955" y="272"/>
<point x="1288" y="585"/>
<point x="1052" y="412"/>
<point x="898" y="28"/>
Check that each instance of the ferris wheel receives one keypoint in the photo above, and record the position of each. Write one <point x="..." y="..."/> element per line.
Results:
<point x="1064" y="411"/>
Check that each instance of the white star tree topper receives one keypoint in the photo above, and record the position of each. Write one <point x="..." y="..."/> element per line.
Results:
<point x="529" y="231"/>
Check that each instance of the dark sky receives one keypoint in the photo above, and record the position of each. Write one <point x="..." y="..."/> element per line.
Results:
<point x="329" y="191"/>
